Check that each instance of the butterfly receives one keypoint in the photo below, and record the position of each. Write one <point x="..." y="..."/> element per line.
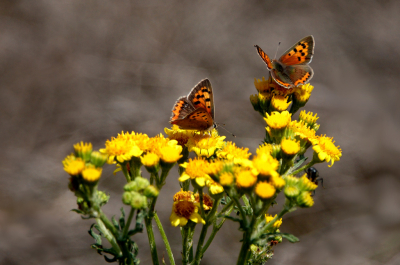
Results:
<point x="196" y="110"/>
<point x="292" y="68"/>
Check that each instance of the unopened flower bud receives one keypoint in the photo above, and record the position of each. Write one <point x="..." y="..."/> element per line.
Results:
<point x="141" y="183"/>
<point x="138" y="201"/>
<point x="151" y="192"/>
<point x="131" y="186"/>
<point x="305" y="200"/>
<point x="98" y="159"/>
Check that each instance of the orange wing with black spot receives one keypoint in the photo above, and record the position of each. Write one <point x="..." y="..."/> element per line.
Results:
<point x="264" y="57"/>
<point x="299" y="74"/>
<point x="199" y="119"/>
<point x="201" y="96"/>
<point x="301" y="53"/>
<point x="181" y="109"/>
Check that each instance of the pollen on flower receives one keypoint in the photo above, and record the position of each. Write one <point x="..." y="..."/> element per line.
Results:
<point x="280" y="103"/>
<point x="183" y="196"/>
<point x="231" y="151"/>
<point x="184" y="208"/>
<point x="290" y="147"/>
<point x="278" y="120"/>
<point x="326" y="149"/>
<point x="303" y="92"/>
<point x="207" y="201"/>
<point x="226" y="179"/>
<point x="170" y="154"/>
<point x="269" y="218"/>
<point x="73" y="165"/>
<point x="150" y="160"/>
<point x="91" y="174"/>
<point x="265" y="190"/>
<point x="245" y="179"/>
<point x="204" y="144"/>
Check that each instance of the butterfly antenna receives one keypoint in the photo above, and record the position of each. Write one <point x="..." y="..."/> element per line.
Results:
<point x="224" y="128"/>
<point x="277" y="48"/>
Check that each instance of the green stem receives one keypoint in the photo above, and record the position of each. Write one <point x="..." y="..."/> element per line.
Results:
<point x="126" y="173"/>
<point x="185" y="235"/>
<point x="108" y="224"/>
<point x="109" y="236"/>
<point x="152" y="242"/>
<point x="201" y="203"/>
<point x="165" y="239"/>
<point x="242" y="213"/>
<point x="199" y="252"/>
<point x="304" y="167"/>
<point x="246" y="201"/>
<point x="128" y="223"/>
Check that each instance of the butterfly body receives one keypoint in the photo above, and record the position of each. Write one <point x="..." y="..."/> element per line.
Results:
<point x="292" y="68"/>
<point x="196" y="110"/>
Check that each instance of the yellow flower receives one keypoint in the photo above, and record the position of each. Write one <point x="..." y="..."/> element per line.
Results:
<point x="226" y="179"/>
<point x="205" y="144"/>
<point x="254" y="100"/>
<point x="73" y="165"/>
<point x="278" y="120"/>
<point x="269" y="218"/>
<point x="183" y="196"/>
<point x="265" y="190"/>
<point x="171" y="154"/>
<point x="290" y="147"/>
<point x="306" y="184"/>
<point x="305" y="199"/>
<point x="308" y="117"/>
<point x="301" y="130"/>
<point x="214" y="187"/>
<point x="266" y="165"/>
<point x="83" y="150"/>
<point x="245" y="179"/>
<point x="91" y="174"/>
<point x="155" y="144"/>
<point x="122" y="148"/>
<point x="195" y="171"/>
<point x="278" y="182"/>
<point x="207" y="201"/>
<point x="213" y="167"/>
<point x="303" y="92"/>
<point x="264" y="149"/>
<point x="231" y="151"/>
<point x="280" y="103"/>
<point x="262" y="85"/>
<point x="326" y="149"/>
<point x="181" y="136"/>
<point x="183" y="211"/>
<point x="150" y="160"/>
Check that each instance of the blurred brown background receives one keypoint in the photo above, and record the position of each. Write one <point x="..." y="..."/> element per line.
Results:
<point x="85" y="70"/>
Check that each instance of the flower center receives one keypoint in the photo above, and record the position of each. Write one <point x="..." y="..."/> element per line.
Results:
<point x="184" y="209"/>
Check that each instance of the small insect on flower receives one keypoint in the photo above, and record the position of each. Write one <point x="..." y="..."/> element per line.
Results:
<point x="313" y="176"/>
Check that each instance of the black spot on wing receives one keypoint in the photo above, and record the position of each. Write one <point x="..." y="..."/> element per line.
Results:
<point x="196" y="102"/>
<point x="298" y="58"/>
<point x="207" y="99"/>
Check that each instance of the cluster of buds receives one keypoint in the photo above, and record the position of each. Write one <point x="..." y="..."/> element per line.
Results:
<point x="298" y="190"/>
<point x="137" y="192"/>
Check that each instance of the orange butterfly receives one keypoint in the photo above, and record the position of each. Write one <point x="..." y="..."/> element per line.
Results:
<point x="196" y="110"/>
<point x="292" y="68"/>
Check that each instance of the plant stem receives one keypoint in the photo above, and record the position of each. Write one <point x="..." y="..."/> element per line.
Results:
<point x="128" y="223"/>
<point x="152" y="242"/>
<point x="109" y="236"/>
<point x="199" y="252"/>
<point x="304" y="167"/>
<point x="126" y="173"/>
<point x="242" y="213"/>
<point x="185" y="245"/>
<point x="165" y="239"/>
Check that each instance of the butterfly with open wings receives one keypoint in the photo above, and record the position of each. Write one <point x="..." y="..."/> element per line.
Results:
<point x="196" y="110"/>
<point x="292" y="68"/>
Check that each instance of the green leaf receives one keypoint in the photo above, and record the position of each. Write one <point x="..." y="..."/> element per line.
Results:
<point x="122" y="218"/>
<point x="291" y="238"/>
<point x="115" y="223"/>
<point x="78" y="211"/>
<point x="97" y="237"/>
<point x="296" y="166"/>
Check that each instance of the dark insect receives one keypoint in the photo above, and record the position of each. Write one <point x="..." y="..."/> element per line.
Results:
<point x="313" y="176"/>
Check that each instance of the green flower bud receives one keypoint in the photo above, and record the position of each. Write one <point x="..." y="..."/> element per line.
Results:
<point x="151" y="192"/>
<point x="305" y="200"/>
<point x="102" y="197"/>
<point x="131" y="186"/>
<point x="141" y="183"/>
<point x="127" y="197"/>
<point x="291" y="191"/>
<point x="138" y="201"/>
<point x="98" y="159"/>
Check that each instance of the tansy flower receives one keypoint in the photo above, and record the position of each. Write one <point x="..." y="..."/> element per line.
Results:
<point x="269" y="218"/>
<point x="183" y="211"/>
<point x="326" y="149"/>
<point x="266" y="165"/>
<point x="91" y="174"/>
<point x="231" y="151"/>
<point x="280" y="103"/>
<point x="264" y="190"/>
<point x="290" y="147"/>
<point x="308" y="117"/>
<point x="194" y="169"/>
<point x="278" y="120"/>
<point x="73" y="165"/>
<point x="205" y="144"/>
<point x="207" y="201"/>
<point x="183" y="196"/>
<point x="245" y="179"/>
<point x="122" y="148"/>
<point x="303" y="92"/>
<point x="226" y="179"/>
<point x="150" y="160"/>
<point x="171" y="154"/>
<point x="214" y="187"/>
<point x="182" y="136"/>
<point x="83" y="150"/>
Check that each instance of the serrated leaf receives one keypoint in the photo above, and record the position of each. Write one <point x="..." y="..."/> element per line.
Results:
<point x="96" y="237"/>
<point x="291" y="238"/>
<point x="77" y="211"/>
<point x="295" y="166"/>
<point x="122" y="218"/>
<point x="115" y="223"/>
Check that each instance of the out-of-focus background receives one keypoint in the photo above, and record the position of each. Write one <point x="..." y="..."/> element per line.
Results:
<point x="75" y="70"/>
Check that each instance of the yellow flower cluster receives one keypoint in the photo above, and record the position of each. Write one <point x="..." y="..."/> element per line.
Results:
<point x="185" y="208"/>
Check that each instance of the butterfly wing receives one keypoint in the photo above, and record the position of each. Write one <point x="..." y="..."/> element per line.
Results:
<point x="301" y="53"/>
<point x="199" y="119"/>
<point x="264" y="57"/>
<point x="201" y="96"/>
<point x="181" y="109"/>
<point x="282" y="79"/>
<point x="299" y="74"/>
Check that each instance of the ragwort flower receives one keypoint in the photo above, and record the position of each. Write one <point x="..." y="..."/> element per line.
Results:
<point x="122" y="148"/>
<point x="73" y="165"/>
<point x="205" y="144"/>
<point x="326" y="150"/>
<point x="230" y="151"/>
<point x="183" y="211"/>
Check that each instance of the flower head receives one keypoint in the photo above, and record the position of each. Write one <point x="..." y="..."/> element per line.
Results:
<point x="83" y="150"/>
<point x="301" y="130"/>
<point x="214" y="187"/>
<point x="305" y="199"/>
<point x="245" y="179"/>
<point x="171" y="154"/>
<point x="183" y="211"/>
<point x="230" y="151"/>
<point x="266" y="165"/>
<point x="150" y="160"/>
<point x="278" y="120"/>
<point x="181" y="136"/>
<point x="195" y="171"/>
<point x="123" y="147"/>
<point x="207" y="201"/>
<point x="302" y="93"/>
<point x="306" y="184"/>
<point x="308" y="117"/>
<point x="91" y="174"/>
<point x="269" y="218"/>
<point x="264" y="190"/>
<point x="326" y="150"/>
<point x="279" y="103"/>
<point x="205" y="144"/>
<point x="183" y="196"/>
<point x="73" y="165"/>
<point x="263" y="85"/>
<point x="226" y="179"/>
<point x="290" y="147"/>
